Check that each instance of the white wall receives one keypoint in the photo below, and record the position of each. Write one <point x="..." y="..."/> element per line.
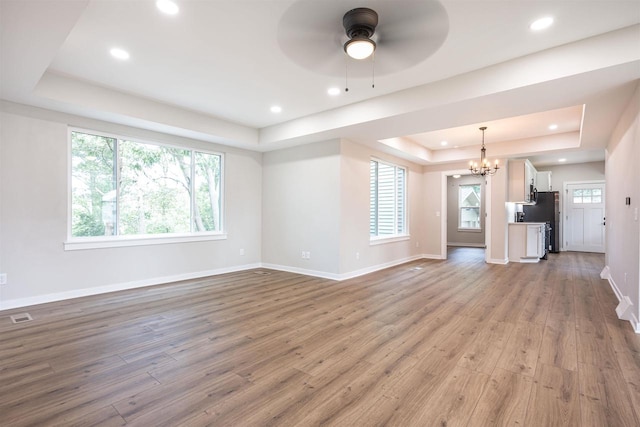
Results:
<point x="316" y="199"/>
<point x="591" y="171"/>
<point x="301" y="208"/>
<point x="623" y="233"/>
<point x="498" y="233"/>
<point x="33" y="216"/>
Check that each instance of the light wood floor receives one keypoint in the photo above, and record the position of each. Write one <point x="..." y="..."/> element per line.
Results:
<point x="447" y="343"/>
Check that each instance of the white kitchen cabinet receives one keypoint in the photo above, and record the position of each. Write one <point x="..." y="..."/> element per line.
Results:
<point x="522" y="175"/>
<point x="526" y="241"/>
<point x="535" y="241"/>
<point x="543" y="182"/>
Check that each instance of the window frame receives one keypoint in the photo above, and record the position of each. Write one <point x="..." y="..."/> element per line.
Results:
<point x="396" y="237"/>
<point x="479" y="207"/>
<point x="98" y="242"/>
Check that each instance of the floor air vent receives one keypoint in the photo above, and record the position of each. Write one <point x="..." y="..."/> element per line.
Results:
<point x="262" y="273"/>
<point x="416" y="268"/>
<point x="21" y="318"/>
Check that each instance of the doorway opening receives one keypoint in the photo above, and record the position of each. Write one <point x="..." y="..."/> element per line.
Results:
<point x="465" y="221"/>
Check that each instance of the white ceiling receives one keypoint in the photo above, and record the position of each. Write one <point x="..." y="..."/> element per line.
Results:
<point x="213" y="71"/>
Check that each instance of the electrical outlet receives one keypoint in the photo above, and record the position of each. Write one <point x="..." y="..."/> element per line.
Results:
<point x="304" y="255"/>
<point x="308" y="255"/>
<point x="3" y="278"/>
<point x="357" y="255"/>
<point x="241" y="251"/>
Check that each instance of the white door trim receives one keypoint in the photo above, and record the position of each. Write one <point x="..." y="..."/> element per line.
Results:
<point x="443" y="213"/>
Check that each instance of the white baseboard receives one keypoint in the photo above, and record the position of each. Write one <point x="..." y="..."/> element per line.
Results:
<point x="60" y="296"/>
<point x="304" y="271"/>
<point x="498" y="261"/>
<point x="467" y="245"/>
<point x="351" y="274"/>
<point x="432" y="256"/>
<point x="374" y="268"/>
<point x="624" y="311"/>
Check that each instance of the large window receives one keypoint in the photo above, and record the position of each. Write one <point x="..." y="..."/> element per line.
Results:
<point x="388" y="184"/>
<point x="121" y="187"/>
<point x="469" y="207"/>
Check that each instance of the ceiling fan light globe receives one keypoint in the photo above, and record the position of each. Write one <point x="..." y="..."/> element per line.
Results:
<point x="359" y="48"/>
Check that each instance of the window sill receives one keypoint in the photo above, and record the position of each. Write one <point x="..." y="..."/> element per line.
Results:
<point x="125" y="241"/>
<point x="391" y="239"/>
<point x="470" y="230"/>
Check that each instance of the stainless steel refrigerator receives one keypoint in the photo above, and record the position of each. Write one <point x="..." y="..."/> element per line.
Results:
<point x="546" y="209"/>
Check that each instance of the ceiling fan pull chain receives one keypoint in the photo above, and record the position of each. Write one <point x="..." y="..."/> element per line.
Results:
<point x="373" y="71"/>
<point x="346" y="74"/>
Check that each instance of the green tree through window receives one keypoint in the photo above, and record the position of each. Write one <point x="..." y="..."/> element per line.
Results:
<point x="123" y="187"/>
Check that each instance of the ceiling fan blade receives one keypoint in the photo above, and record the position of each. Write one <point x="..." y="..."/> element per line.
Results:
<point x="311" y="34"/>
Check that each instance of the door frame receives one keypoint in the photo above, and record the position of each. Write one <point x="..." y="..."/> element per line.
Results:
<point x="565" y="208"/>
<point x="443" y="213"/>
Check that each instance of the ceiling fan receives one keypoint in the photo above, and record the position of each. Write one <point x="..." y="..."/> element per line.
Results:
<point x="317" y="35"/>
<point x="360" y="24"/>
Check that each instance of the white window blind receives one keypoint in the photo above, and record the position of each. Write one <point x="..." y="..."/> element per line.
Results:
<point x="387" y="209"/>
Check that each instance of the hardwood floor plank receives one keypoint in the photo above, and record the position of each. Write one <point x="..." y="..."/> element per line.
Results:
<point x="536" y="307"/>
<point x="603" y="395"/>
<point x="520" y="354"/>
<point x="504" y="401"/>
<point x="559" y="345"/>
<point x="554" y="398"/>
<point x="193" y="388"/>
<point x="103" y="417"/>
<point x="453" y="402"/>
<point x="484" y="351"/>
<point x="562" y="303"/>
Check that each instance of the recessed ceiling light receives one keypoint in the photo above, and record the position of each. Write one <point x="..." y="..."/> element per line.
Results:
<point x="562" y="160"/>
<point x="443" y="143"/>
<point x="541" y="24"/>
<point x="553" y="127"/>
<point x="456" y="176"/>
<point x="118" y="53"/>
<point x="167" y="6"/>
<point x="276" y="109"/>
<point x="333" y="91"/>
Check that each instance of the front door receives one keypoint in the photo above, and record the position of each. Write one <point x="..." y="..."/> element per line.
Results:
<point x="584" y="218"/>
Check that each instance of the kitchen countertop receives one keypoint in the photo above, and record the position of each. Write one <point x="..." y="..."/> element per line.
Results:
<point x="527" y="223"/>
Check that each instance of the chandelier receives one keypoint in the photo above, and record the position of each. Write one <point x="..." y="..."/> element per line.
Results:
<point x="484" y="168"/>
